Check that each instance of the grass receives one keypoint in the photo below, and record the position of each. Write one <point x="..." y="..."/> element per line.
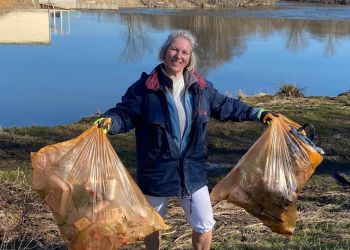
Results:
<point x="14" y="176"/>
<point x="323" y="205"/>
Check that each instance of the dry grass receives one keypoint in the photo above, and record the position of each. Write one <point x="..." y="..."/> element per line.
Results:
<point x="323" y="220"/>
<point x="290" y="90"/>
<point x="323" y="206"/>
<point x="26" y="222"/>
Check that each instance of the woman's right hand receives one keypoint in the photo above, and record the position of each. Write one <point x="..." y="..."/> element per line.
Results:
<point x="267" y="116"/>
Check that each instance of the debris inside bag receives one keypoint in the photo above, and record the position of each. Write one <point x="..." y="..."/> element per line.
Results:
<point x="267" y="179"/>
<point x="95" y="202"/>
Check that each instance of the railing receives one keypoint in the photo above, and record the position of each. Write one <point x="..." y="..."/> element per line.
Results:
<point x="59" y="26"/>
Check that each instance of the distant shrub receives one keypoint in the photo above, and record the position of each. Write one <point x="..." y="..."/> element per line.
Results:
<point x="346" y="93"/>
<point x="290" y="90"/>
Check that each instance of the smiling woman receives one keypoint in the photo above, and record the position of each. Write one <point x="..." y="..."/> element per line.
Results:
<point x="177" y="53"/>
<point x="177" y="56"/>
<point x="169" y="109"/>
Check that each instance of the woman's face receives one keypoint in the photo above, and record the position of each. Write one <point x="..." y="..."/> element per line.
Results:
<point x="177" y="56"/>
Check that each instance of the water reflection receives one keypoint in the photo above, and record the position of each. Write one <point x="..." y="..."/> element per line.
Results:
<point x="24" y="27"/>
<point x="33" y="26"/>
<point x="60" y="22"/>
<point x="296" y="38"/>
<point x="223" y="38"/>
<point x="136" y="40"/>
<point x="79" y="72"/>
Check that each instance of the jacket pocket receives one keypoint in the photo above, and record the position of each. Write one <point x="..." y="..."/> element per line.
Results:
<point x="199" y="151"/>
<point x="149" y="156"/>
<point x="154" y="136"/>
<point x="202" y="128"/>
<point x="152" y="142"/>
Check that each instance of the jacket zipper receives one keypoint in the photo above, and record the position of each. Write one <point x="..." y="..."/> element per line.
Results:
<point x="183" y="188"/>
<point x="193" y="136"/>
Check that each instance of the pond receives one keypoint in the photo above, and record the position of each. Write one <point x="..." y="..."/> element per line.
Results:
<point x="81" y="63"/>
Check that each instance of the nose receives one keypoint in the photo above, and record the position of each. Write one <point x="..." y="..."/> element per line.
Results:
<point x="178" y="54"/>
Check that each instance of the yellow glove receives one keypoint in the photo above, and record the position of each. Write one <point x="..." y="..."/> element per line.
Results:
<point x="266" y="117"/>
<point x="104" y="123"/>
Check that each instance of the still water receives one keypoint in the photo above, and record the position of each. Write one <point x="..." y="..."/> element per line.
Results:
<point x="90" y="58"/>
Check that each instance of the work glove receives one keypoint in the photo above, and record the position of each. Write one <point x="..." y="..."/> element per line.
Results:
<point x="267" y="116"/>
<point x="104" y="123"/>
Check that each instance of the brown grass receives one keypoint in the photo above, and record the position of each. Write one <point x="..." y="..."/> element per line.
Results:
<point x="26" y="223"/>
<point x="290" y="90"/>
<point x="323" y="205"/>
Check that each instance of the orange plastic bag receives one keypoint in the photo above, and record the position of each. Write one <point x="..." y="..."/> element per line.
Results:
<point x="94" y="200"/>
<point x="267" y="179"/>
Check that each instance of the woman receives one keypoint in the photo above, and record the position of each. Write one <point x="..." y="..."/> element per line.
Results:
<point x="170" y="108"/>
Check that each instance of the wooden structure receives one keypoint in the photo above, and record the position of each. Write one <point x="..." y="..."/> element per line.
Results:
<point x="51" y="6"/>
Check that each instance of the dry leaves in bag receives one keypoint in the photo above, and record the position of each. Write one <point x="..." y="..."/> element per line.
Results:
<point x="267" y="179"/>
<point x="94" y="200"/>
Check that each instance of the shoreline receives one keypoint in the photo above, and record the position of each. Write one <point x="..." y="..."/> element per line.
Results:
<point x="242" y="96"/>
<point x="167" y="4"/>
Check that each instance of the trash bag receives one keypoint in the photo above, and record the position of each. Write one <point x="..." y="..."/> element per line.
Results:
<point x="267" y="179"/>
<point x="95" y="202"/>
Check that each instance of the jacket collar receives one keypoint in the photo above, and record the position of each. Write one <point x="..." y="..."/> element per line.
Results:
<point x="158" y="79"/>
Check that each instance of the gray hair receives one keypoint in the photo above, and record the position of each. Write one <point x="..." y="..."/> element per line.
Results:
<point x="184" y="34"/>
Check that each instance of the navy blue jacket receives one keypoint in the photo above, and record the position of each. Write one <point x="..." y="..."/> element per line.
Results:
<point x="163" y="169"/>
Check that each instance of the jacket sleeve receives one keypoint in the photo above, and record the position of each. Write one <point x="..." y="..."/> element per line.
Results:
<point x="224" y="108"/>
<point x="126" y="114"/>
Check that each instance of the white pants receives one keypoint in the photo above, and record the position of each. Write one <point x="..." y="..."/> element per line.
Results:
<point x="197" y="208"/>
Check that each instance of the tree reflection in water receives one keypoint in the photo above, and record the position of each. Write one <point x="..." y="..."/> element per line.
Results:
<point x="137" y="42"/>
<point x="223" y="38"/>
<point x="296" y="39"/>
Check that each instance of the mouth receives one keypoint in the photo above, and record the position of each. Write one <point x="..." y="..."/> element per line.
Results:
<point x="176" y="62"/>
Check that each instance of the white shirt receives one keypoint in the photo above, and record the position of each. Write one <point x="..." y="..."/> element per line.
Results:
<point x="179" y="96"/>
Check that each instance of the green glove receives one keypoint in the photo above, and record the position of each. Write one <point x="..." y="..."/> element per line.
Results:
<point x="104" y="123"/>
